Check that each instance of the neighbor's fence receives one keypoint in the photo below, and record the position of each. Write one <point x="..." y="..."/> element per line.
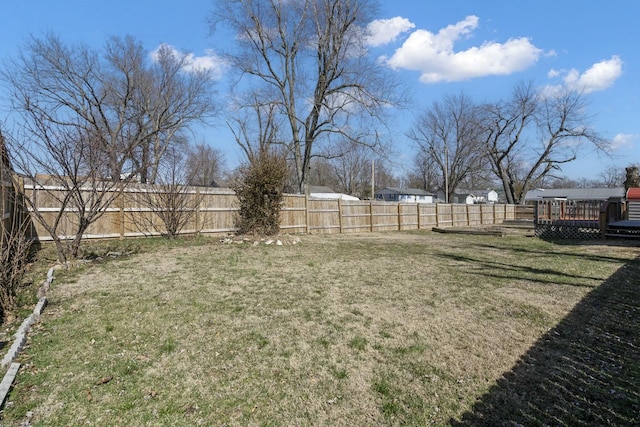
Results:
<point x="217" y="209"/>
<point x="308" y="215"/>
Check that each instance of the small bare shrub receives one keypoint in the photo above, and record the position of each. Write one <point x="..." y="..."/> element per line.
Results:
<point x="14" y="256"/>
<point x="170" y="200"/>
<point x="14" y="245"/>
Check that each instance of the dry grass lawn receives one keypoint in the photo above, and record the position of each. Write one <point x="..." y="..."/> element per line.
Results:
<point x="412" y="328"/>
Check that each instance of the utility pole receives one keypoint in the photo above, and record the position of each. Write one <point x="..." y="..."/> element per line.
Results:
<point x="373" y="179"/>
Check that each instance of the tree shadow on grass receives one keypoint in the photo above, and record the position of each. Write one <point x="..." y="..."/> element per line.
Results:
<point x="583" y="256"/>
<point x="585" y="371"/>
<point x="506" y="270"/>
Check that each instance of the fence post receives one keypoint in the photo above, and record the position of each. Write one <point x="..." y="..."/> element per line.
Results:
<point x="371" y="215"/>
<point x="399" y="216"/>
<point x="437" y="214"/>
<point x="197" y="219"/>
<point x="418" y="208"/>
<point x="340" y="214"/>
<point x="453" y="217"/>
<point x="469" y="215"/>
<point x="306" y="213"/>
<point x="122" y="198"/>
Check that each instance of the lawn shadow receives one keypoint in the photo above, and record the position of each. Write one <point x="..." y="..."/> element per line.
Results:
<point x="585" y="371"/>
<point x="591" y="257"/>
<point x="503" y="270"/>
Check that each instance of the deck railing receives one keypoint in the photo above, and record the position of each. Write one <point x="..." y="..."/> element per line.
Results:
<point x="584" y="213"/>
<point x="569" y="219"/>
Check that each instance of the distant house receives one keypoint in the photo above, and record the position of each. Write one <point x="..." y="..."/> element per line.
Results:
<point x="471" y="197"/>
<point x="323" y="192"/>
<point x="573" y="194"/>
<point x="392" y="194"/>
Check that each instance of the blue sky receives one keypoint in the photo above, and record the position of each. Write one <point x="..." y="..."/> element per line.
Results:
<point x="483" y="48"/>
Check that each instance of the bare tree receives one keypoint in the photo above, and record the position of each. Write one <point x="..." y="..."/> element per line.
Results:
<point x="83" y="121"/>
<point x="256" y="128"/>
<point x="205" y="165"/>
<point x="170" y="203"/>
<point x="353" y="169"/>
<point x="613" y="176"/>
<point x="310" y="57"/>
<point x="448" y="134"/>
<point x="346" y="167"/>
<point x="173" y="99"/>
<point x="322" y="173"/>
<point x="423" y="173"/>
<point x="65" y="87"/>
<point x="531" y="135"/>
<point x="65" y="166"/>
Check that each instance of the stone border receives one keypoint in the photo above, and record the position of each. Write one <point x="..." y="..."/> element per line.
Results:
<point x="21" y="338"/>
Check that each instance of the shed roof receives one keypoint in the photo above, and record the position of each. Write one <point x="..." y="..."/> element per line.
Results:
<point x="574" y="193"/>
<point x="633" y="194"/>
<point x="320" y="189"/>
<point x="407" y="191"/>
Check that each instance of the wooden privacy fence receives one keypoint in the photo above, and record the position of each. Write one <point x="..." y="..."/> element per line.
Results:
<point x="6" y="198"/>
<point x="307" y="215"/>
<point x="216" y="211"/>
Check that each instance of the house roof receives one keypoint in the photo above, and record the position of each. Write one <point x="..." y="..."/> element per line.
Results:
<point x="332" y="196"/>
<point x="320" y="189"/>
<point x="474" y="192"/>
<point x="407" y="191"/>
<point x="574" y="193"/>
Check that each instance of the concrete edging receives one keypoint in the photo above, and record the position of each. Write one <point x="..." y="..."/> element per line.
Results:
<point x="20" y="338"/>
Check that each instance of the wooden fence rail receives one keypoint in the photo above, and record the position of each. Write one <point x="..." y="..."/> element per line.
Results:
<point x="217" y="211"/>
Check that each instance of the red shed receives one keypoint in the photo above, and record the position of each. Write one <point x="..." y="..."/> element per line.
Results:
<point x="633" y="194"/>
<point x="633" y="203"/>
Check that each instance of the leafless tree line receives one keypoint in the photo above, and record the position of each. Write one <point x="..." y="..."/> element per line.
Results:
<point x="521" y="142"/>
<point x="88" y="122"/>
<point x="309" y="89"/>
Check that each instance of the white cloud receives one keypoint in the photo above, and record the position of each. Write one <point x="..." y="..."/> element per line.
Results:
<point x="623" y="141"/>
<point x="211" y="62"/>
<point x="383" y="31"/>
<point x="599" y="76"/>
<point x="435" y="57"/>
<point x="553" y="73"/>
